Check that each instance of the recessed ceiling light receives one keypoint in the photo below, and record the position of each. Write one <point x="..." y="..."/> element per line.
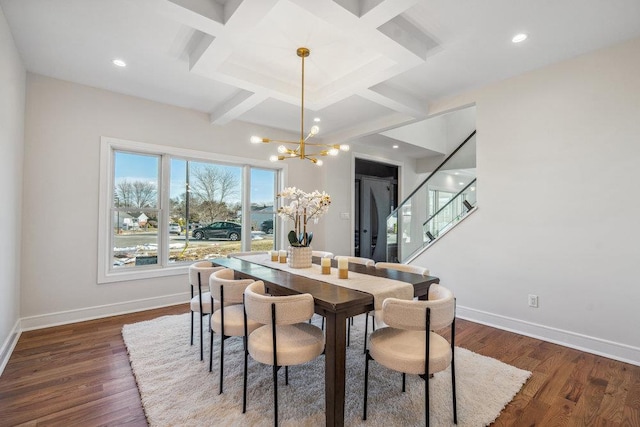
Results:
<point x="119" y="63"/>
<point x="518" y="38"/>
<point x="461" y="183"/>
<point x="317" y="120"/>
<point x="395" y="145"/>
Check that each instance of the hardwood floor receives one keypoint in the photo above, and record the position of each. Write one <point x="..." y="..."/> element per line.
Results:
<point x="79" y="374"/>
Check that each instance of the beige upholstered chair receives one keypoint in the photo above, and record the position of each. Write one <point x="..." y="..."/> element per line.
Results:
<point x="286" y="339"/>
<point x="199" y="273"/>
<point x="357" y="260"/>
<point x="403" y="267"/>
<point x="390" y="266"/>
<point x="322" y="254"/>
<point x="228" y="320"/>
<point x="409" y="336"/>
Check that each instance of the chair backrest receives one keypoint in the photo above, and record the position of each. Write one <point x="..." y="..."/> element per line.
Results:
<point x="411" y="314"/>
<point x="403" y="267"/>
<point x="322" y="254"/>
<point x="236" y="254"/>
<point x="233" y="288"/>
<point x="357" y="260"/>
<point x="290" y="309"/>
<point x="205" y="269"/>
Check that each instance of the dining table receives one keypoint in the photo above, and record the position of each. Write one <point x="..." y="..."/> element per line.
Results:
<point x="335" y="303"/>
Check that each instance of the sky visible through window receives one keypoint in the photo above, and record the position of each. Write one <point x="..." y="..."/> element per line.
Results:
<point x="139" y="167"/>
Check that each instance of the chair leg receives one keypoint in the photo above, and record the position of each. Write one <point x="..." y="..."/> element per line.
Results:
<point x="348" y="332"/>
<point x="426" y="401"/>
<point x="211" y="351"/>
<point x="453" y="389"/>
<point x="366" y="384"/>
<point x="286" y="375"/>
<point x="404" y="382"/>
<point x="222" y="337"/>
<point x="275" y="395"/>
<point x="244" y="379"/>
<point x="201" y="340"/>
<point x="366" y="331"/>
<point x="191" y="327"/>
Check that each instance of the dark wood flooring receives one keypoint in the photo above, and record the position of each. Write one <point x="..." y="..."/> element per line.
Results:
<point x="79" y="374"/>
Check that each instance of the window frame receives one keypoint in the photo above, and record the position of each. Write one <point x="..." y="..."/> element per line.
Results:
<point x="108" y="147"/>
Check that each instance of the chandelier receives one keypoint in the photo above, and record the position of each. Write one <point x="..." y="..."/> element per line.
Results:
<point x="299" y="149"/>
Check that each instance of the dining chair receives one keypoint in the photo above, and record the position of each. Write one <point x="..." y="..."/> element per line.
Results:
<point x="416" y="269"/>
<point x="409" y="344"/>
<point x="201" y="302"/>
<point x="286" y="339"/>
<point x="228" y="320"/>
<point x="322" y="254"/>
<point x="357" y="260"/>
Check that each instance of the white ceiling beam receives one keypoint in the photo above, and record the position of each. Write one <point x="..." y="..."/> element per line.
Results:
<point x="396" y="100"/>
<point x="233" y="108"/>
<point x="367" y="128"/>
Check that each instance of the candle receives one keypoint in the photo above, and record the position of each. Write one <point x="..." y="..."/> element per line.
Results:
<point x="325" y="263"/>
<point x="343" y="268"/>
<point x="283" y="256"/>
<point x="274" y="255"/>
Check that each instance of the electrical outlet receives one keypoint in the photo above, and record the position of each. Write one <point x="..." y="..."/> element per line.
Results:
<point x="533" y="301"/>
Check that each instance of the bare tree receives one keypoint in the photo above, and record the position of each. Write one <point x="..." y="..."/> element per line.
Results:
<point x="144" y="194"/>
<point x="211" y="188"/>
<point x="136" y="194"/>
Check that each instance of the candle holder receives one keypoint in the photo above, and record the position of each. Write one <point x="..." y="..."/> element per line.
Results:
<point x="274" y="256"/>
<point x="283" y="257"/>
<point x="343" y="268"/>
<point x="325" y="263"/>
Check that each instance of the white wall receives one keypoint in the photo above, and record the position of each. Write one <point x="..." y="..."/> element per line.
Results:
<point x="64" y="123"/>
<point x="12" y="88"/>
<point x="557" y="158"/>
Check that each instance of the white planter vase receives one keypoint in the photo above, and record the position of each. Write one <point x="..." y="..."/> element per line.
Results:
<point x="299" y="256"/>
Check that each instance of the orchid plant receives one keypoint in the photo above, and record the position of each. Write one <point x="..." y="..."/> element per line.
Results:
<point x="301" y="208"/>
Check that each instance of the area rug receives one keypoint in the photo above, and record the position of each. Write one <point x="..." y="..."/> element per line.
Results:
<point x="176" y="388"/>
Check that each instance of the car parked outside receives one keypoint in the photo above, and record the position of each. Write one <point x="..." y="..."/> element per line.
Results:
<point x="174" y="228"/>
<point x="267" y="226"/>
<point x="218" y="230"/>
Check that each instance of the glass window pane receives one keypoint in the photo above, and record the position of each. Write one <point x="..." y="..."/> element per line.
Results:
<point x="215" y="208"/>
<point x="263" y="216"/>
<point x="135" y="210"/>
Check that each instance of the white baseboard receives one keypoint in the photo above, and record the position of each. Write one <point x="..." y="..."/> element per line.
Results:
<point x="613" y="350"/>
<point x="8" y="345"/>
<point x="100" y="311"/>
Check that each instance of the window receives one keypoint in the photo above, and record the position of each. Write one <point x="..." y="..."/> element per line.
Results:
<point x="161" y="208"/>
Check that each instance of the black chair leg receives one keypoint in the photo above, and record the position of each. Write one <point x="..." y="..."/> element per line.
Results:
<point x="453" y="388"/>
<point x="192" y="328"/>
<point x="201" y="341"/>
<point x="366" y="384"/>
<point x="275" y="395"/>
<point x="366" y="331"/>
<point x="211" y="351"/>
<point x="404" y="382"/>
<point x="348" y="332"/>
<point x="222" y="337"/>
<point x="286" y="375"/>
<point x="244" y="380"/>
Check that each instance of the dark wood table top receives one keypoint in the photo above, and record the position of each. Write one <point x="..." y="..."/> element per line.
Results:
<point x="327" y="296"/>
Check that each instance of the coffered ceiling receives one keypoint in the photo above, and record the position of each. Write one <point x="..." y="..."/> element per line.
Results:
<point x="374" y="64"/>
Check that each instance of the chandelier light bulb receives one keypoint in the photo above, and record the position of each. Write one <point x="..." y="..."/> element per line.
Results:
<point x="282" y="149"/>
<point x="256" y="140"/>
<point x="314" y="130"/>
<point x="344" y="147"/>
<point x="333" y="151"/>
<point x="318" y="162"/>
<point x="273" y="158"/>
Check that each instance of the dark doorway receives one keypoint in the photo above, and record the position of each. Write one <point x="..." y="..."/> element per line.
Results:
<point x="376" y="196"/>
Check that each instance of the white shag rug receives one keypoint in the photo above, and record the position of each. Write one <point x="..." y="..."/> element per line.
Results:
<point x="176" y="388"/>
